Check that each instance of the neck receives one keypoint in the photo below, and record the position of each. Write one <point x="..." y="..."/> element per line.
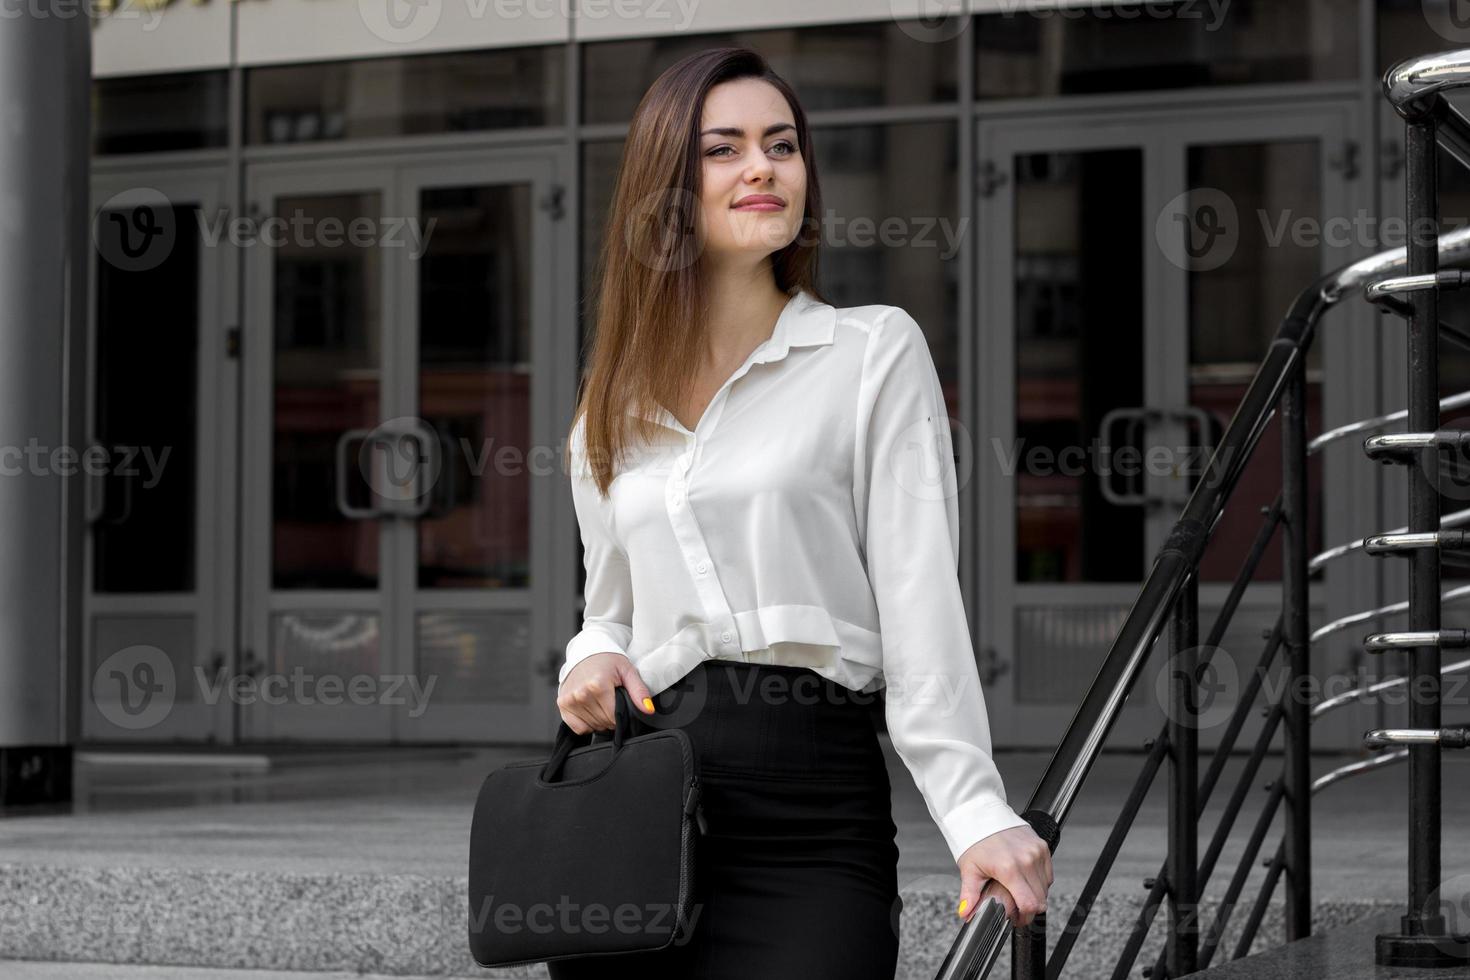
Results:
<point x="743" y="308"/>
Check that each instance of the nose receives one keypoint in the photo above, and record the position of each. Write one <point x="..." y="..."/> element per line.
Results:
<point x="760" y="169"/>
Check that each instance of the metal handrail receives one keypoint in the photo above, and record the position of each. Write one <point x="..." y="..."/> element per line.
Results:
<point x="1367" y="615"/>
<point x="1415" y="88"/>
<point x="1380" y="421"/>
<point x="1337" y="551"/>
<point x="978" y="945"/>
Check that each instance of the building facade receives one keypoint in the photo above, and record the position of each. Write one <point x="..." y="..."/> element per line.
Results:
<point x="343" y="254"/>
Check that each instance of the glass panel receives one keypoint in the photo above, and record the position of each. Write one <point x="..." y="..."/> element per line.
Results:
<point x="1255" y="211"/>
<point x="156" y="113"/>
<point x="1079" y="354"/>
<point x="341" y="645"/>
<point x="892" y="228"/>
<point x="168" y="651"/>
<point x="1414" y="28"/>
<point x="832" y="66"/>
<point x="475" y="658"/>
<point x="475" y="385"/>
<point x="147" y="320"/>
<point x="1104" y="48"/>
<point x="599" y="175"/>
<point x="431" y="93"/>
<point x="1064" y="647"/>
<point x="326" y="377"/>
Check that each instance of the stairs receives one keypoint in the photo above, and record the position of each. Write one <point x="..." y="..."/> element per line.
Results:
<point x="1341" y="953"/>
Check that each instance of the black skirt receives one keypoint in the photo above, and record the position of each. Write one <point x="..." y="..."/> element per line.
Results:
<point x="798" y="875"/>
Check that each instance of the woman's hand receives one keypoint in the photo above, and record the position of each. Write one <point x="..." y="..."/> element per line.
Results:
<point x="1017" y="862"/>
<point x="588" y="697"/>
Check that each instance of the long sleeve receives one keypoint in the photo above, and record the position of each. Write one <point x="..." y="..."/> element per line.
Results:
<point x="607" y="616"/>
<point x="906" y="492"/>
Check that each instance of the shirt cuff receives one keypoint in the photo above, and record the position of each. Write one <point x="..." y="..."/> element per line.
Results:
<point x="591" y="640"/>
<point x="969" y="823"/>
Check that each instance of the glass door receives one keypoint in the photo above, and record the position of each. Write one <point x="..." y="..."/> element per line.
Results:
<point x="318" y="503"/>
<point x="474" y="606"/>
<point x="1132" y="272"/>
<point x="1065" y="276"/>
<point x="401" y="316"/>
<point x="159" y="553"/>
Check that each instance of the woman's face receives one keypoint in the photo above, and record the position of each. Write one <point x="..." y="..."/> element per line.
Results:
<point x="748" y="144"/>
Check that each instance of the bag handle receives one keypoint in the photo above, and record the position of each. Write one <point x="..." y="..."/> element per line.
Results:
<point x="566" y="739"/>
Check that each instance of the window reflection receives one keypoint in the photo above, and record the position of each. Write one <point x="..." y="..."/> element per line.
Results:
<point x="430" y="93"/>
<point x="1235" y="309"/>
<point x="1079" y="354"/>
<point x="1130" y="47"/>
<point x="326" y="378"/>
<point x="834" y="66"/>
<point x="147" y="384"/>
<point x="475" y="385"/>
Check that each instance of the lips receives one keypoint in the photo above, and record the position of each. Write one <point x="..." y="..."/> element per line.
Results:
<point x="760" y="202"/>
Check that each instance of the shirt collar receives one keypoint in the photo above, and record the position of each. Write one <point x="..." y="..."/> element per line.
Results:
<point x="805" y="321"/>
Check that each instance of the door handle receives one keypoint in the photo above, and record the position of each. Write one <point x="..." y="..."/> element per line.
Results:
<point x="95" y="497"/>
<point x="373" y="437"/>
<point x="1142" y="415"/>
<point x="426" y="471"/>
<point x="991" y="666"/>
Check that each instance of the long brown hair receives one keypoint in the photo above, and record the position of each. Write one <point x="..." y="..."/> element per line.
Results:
<point x="649" y="322"/>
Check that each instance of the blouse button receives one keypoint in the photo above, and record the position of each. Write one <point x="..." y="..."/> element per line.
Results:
<point x="702" y="567"/>
<point x="726" y="636"/>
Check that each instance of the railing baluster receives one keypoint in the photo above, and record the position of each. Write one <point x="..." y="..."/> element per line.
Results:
<point x="1297" y="719"/>
<point x="1183" y="941"/>
<point x="1028" y="950"/>
<point x="1421" y="177"/>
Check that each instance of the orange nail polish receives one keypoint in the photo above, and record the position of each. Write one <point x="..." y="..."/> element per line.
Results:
<point x="648" y="705"/>
<point x="963" y="902"/>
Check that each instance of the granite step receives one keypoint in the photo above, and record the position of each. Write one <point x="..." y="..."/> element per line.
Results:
<point x="405" y="925"/>
<point x="1342" y="953"/>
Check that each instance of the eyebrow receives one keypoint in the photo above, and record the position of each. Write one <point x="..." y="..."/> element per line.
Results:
<point x="737" y="131"/>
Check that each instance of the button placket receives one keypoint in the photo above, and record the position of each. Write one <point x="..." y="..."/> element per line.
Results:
<point x="681" y="515"/>
<point x="691" y="538"/>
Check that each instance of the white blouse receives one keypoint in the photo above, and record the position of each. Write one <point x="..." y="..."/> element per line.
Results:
<point x="811" y="519"/>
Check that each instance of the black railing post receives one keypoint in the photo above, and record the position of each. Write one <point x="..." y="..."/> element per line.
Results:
<point x="1183" y="864"/>
<point x="1413" y="945"/>
<point x="1297" y="707"/>
<point x="1028" y="950"/>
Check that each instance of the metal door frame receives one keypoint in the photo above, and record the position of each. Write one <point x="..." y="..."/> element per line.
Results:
<point x="397" y="177"/>
<point x="1163" y="136"/>
<point x="191" y="716"/>
<point x="472" y="722"/>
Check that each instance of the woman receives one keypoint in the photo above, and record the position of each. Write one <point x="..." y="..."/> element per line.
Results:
<point x="759" y="480"/>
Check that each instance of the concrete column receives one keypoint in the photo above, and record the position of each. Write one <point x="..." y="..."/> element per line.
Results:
<point x="45" y="107"/>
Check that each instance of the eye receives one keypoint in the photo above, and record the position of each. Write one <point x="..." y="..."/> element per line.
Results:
<point x="790" y="147"/>
<point x="716" y="151"/>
